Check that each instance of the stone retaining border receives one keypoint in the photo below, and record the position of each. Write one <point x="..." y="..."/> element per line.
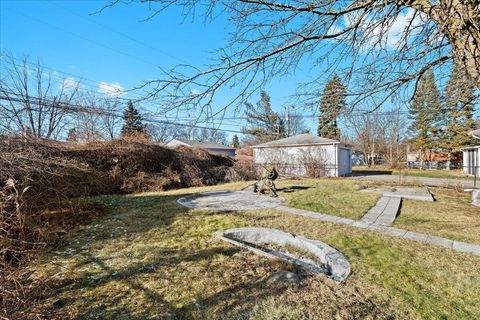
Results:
<point x="335" y="265"/>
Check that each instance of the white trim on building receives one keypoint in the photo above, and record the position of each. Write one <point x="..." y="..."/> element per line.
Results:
<point x="471" y="160"/>
<point x="471" y="157"/>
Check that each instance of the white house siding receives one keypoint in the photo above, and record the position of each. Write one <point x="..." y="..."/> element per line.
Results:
<point x="344" y="161"/>
<point x="297" y="160"/>
<point x="471" y="161"/>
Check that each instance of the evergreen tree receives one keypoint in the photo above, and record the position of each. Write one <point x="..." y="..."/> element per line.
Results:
<point x="264" y="124"/>
<point x="132" y="122"/>
<point x="331" y="104"/>
<point x="72" y="135"/>
<point x="425" y="111"/>
<point x="458" y="116"/>
<point x="235" y="141"/>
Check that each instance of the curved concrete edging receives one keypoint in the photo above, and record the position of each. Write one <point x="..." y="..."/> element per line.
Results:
<point x="335" y="265"/>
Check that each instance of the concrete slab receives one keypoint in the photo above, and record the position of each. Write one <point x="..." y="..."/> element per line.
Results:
<point x="476" y="197"/>
<point x="440" y="242"/>
<point x="384" y="212"/>
<point x="394" y="232"/>
<point x="466" y="247"/>
<point x="229" y="201"/>
<point x="412" y="193"/>
<point x="415" y="236"/>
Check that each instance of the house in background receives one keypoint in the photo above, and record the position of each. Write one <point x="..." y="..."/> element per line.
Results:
<point x="305" y="155"/>
<point x="471" y="157"/>
<point x="212" y="147"/>
<point x="434" y="160"/>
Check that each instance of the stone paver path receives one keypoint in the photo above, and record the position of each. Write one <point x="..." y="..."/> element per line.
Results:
<point x="384" y="212"/>
<point x="433" y="182"/>
<point x="242" y="200"/>
<point x="412" y="193"/>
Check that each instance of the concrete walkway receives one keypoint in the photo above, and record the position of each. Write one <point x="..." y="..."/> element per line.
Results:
<point x="384" y="212"/>
<point x="243" y="200"/>
<point x="433" y="182"/>
<point x="390" y="231"/>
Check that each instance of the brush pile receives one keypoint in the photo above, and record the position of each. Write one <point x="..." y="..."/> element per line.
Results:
<point x="43" y="186"/>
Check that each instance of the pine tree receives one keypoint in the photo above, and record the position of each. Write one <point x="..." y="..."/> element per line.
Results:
<point x="458" y="116"/>
<point x="425" y="111"/>
<point x="235" y="141"/>
<point x="72" y="135"/>
<point x="331" y="104"/>
<point x="132" y="119"/>
<point x="264" y="124"/>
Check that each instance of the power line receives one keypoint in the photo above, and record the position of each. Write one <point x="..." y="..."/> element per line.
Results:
<point x="146" y="45"/>
<point x="94" y="89"/>
<point x="86" y="39"/>
<point x="98" y="111"/>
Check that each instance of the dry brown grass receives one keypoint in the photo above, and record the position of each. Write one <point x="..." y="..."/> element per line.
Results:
<point x="150" y="258"/>
<point x="43" y="185"/>
<point x="451" y="216"/>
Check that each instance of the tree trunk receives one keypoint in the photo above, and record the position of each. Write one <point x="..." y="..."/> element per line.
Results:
<point x="462" y="28"/>
<point x="459" y="21"/>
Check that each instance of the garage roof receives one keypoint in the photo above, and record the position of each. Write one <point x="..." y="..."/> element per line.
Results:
<point x="298" y="140"/>
<point x="204" y="144"/>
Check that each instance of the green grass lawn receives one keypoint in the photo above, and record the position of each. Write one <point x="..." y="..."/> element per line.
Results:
<point x="332" y="196"/>
<point x="451" y="216"/>
<point x="149" y="258"/>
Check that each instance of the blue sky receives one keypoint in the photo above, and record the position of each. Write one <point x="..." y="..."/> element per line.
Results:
<point x="115" y="48"/>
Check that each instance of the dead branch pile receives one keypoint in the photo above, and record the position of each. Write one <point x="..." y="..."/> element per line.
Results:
<point x="243" y="168"/>
<point x="43" y="185"/>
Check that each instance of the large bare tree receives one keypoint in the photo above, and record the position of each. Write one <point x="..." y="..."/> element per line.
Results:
<point x="30" y="102"/>
<point x="380" y="47"/>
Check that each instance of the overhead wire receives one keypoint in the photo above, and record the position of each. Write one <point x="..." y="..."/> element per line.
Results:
<point x="92" y="110"/>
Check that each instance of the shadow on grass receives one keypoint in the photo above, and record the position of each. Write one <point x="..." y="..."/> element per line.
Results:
<point x="363" y="173"/>
<point x="240" y="294"/>
<point x="291" y="189"/>
<point x="139" y="215"/>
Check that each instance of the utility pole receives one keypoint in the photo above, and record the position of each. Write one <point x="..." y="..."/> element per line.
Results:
<point x="287" y="118"/>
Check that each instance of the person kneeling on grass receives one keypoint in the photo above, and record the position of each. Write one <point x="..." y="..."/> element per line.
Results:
<point x="269" y="174"/>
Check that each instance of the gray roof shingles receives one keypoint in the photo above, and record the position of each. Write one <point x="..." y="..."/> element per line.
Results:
<point x="301" y="139"/>
<point x="205" y="144"/>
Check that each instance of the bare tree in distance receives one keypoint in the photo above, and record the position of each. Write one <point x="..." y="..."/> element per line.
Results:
<point x="294" y="123"/>
<point x="31" y="103"/>
<point x="88" y="125"/>
<point x="379" y="48"/>
<point x="368" y="133"/>
<point x="382" y="135"/>
<point x="110" y="121"/>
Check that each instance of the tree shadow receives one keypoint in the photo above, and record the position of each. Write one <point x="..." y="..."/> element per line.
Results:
<point x="140" y="214"/>
<point x="366" y="173"/>
<point x="291" y="189"/>
<point x="241" y="294"/>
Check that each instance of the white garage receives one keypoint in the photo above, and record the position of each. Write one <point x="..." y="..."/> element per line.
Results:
<point x="305" y="155"/>
<point x="471" y="157"/>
